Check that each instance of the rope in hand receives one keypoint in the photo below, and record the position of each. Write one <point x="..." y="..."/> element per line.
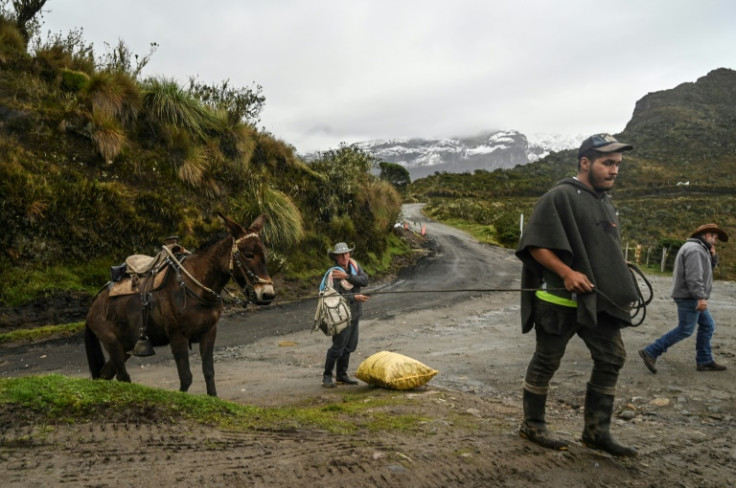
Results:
<point x="639" y="305"/>
<point x="396" y="292"/>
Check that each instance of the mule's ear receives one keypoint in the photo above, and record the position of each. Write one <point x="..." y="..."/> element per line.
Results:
<point x="235" y="229"/>
<point x="258" y="223"/>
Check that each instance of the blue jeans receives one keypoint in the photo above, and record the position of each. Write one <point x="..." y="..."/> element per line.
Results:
<point x="688" y="317"/>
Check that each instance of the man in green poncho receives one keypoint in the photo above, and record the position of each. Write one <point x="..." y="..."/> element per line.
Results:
<point x="571" y="254"/>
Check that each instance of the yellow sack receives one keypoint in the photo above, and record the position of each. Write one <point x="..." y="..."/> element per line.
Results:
<point x="394" y="370"/>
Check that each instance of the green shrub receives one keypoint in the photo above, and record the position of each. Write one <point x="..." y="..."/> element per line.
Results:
<point x="74" y="81"/>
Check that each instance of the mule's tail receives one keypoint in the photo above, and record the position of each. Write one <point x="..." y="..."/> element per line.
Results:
<point x="95" y="357"/>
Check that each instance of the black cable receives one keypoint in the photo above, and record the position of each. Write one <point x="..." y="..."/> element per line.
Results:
<point x="639" y="305"/>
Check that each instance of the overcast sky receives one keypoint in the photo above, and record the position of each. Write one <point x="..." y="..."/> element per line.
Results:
<point x="337" y="71"/>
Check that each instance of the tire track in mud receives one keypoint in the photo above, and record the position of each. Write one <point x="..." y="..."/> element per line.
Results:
<point x="229" y="459"/>
<point x="156" y="455"/>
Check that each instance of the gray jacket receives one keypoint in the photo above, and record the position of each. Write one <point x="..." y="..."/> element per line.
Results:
<point x="693" y="274"/>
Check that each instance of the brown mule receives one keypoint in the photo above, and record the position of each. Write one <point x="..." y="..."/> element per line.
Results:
<point x="184" y="310"/>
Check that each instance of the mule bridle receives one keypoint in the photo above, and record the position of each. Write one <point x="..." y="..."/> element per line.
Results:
<point x="251" y="279"/>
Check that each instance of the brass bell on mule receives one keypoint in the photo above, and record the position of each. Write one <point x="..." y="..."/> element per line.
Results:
<point x="143" y="348"/>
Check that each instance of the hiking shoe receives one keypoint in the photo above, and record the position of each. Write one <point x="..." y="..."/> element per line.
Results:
<point x="712" y="366"/>
<point x="649" y="361"/>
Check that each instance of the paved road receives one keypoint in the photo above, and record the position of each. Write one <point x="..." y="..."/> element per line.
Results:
<point x="457" y="263"/>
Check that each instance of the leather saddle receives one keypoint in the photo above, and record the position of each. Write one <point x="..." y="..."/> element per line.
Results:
<point x="139" y="271"/>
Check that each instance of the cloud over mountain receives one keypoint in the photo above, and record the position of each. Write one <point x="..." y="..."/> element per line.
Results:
<point x="488" y="151"/>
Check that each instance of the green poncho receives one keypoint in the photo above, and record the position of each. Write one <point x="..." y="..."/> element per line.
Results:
<point x="581" y="227"/>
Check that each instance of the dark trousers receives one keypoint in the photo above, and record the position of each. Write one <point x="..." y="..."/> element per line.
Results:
<point x="343" y="344"/>
<point x="555" y="325"/>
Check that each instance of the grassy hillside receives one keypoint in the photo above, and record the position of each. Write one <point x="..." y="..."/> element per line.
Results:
<point x="97" y="163"/>
<point x="679" y="176"/>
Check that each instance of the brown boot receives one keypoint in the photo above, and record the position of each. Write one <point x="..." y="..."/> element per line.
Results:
<point x="649" y="361"/>
<point x="711" y="366"/>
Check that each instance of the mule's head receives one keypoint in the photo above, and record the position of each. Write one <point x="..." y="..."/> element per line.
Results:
<point x="248" y="260"/>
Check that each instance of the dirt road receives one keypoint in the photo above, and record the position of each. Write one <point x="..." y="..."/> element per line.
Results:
<point x="681" y="420"/>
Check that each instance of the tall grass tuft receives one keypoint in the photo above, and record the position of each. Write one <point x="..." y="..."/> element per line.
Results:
<point x="165" y="102"/>
<point x="114" y="94"/>
<point x="231" y="149"/>
<point x="382" y="200"/>
<point x="285" y="226"/>
<point x="239" y="144"/>
<point x="107" y="135"/>
<point x="68" y="50"/>
<point x="52" y="58"/>
<point x="193" y="168"/>
<point x="12" y="42"/>
<point x="191" y="160"/>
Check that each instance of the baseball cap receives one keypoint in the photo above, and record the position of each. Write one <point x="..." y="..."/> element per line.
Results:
<point x="604" y="143"/>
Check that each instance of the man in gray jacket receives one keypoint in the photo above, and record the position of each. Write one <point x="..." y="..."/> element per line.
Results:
<point x="693" y="282"/>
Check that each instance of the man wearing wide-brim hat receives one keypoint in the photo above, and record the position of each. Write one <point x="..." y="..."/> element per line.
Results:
<point x="348" y="278"/>
<point x="693" y="282"/>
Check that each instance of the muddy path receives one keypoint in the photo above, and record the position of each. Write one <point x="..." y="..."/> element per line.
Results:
<point x="681" y="420"/>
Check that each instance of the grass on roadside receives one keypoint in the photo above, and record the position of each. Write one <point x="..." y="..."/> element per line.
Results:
<point x="55" y="399"/>
<point x="485" y="234"/>
<point x="41" y="333"/>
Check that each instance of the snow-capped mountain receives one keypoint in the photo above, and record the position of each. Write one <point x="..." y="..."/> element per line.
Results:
<point x="488" y="151"/>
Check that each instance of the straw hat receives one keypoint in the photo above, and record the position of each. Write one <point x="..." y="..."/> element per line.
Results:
<point x="340" y="248"/>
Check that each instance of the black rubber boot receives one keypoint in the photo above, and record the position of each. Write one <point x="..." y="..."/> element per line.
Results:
<point x="327" y="376"/>
<point x="597" y="435"/>
<point x="342" y="370"/>
<point x="534" y="427"/>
